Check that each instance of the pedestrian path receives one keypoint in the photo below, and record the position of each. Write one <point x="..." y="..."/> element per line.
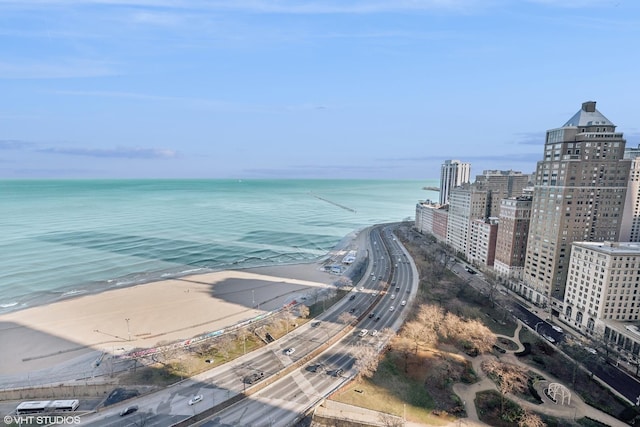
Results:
<point x="574" y="410"/>
<point x="467" y="393"/>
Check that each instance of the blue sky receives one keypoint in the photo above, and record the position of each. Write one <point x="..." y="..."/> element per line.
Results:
<point x="382" y="89"/>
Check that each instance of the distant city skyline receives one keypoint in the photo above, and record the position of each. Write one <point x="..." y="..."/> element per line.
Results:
<point x="301" y="89"/>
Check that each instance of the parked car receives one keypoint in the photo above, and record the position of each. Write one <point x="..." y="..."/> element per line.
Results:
<point x="128" y="410"/>
<point x="374" y="332"/>
<point x="195" y="399"/>
<point x="290" y="351"/>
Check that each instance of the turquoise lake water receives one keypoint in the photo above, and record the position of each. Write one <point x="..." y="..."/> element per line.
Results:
<point x="60" y="238"/>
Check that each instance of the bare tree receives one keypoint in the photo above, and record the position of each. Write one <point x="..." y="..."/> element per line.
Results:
<point x="601" y="341"/>
<point x="418" y="333"/>
<point x="343" y="281"/>
<point x="224" y="344"/>
<point x="510" y="378"/>
<point x="527" y="419"/>
<point x="367" y="360"/>
<point x="431" y="316"/>
<point x="493" y="289"/>
<point x="479" y="335"/>
<point x="303" y="311"/>
<point x="403" y="347"/>
<point x="452" y="327"/>
<point x="202" y="348"/>
<point x="388" y="333"/>
<point x="413" y="332"/>
<point x="286" y="316"/>
<point x="346" y="318"/>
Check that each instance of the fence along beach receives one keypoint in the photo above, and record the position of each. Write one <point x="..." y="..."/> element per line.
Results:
<point x="144" y="316"/>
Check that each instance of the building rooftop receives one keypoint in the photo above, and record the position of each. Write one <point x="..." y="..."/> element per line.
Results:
<point x="588" y="115"/>
<point x="612" y="247"/>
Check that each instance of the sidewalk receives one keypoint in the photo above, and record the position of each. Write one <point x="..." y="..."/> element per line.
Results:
<point x="574" y="410"/>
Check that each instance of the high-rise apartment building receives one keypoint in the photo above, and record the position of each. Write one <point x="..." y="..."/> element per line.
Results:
<point x="501" y="184"/>
<point x="482" y="241"/>
<point x="424" y="217"/>
<point x="465" y="205"/>
<point x="511" y="243"/>
<point x="579" y="194"/>
<point x="630" y="228"/>
<point x="453" y="173"/>
<point x="602" y="285"/>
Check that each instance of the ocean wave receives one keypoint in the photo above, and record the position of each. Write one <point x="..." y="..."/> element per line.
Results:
<point x="122" y="233"/>
<point x="74" y="292"/>
<point x="9" y="304"/>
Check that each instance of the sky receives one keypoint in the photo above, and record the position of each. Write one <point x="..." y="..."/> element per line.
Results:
<point x="348" y="89"/>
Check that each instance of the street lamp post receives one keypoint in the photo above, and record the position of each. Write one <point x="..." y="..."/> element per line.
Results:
<point x="128" y="330"/>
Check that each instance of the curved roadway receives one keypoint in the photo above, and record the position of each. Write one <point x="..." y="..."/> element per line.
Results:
<point x="290" y="386"/>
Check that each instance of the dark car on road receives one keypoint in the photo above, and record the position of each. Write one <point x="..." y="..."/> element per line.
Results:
<point x="316" y="368"/>
<point x="255" y="377"/>
<point x="128" y="410"/>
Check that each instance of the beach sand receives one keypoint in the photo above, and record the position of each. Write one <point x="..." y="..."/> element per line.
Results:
<point x="146" y="315"/>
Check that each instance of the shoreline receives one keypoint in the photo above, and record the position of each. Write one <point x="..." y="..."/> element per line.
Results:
<point x="67" y="293"/>
<point x="154" y="313"/>
<point x="92" y="288"/>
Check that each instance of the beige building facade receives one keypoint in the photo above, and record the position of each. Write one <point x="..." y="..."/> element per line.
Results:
<point x="579" y="194"/>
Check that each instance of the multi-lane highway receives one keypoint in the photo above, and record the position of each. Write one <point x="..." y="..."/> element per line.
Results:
<point x="296" y="381"/>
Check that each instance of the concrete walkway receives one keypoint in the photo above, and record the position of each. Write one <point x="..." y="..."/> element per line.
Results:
<point x="575" y="410"/>
<point x="467" y="393"/>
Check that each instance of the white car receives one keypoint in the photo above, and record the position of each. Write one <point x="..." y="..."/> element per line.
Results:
<point x="403" y="303"/>
<point x="374" y="332"/>
<point x="393" y="296"/>
<point x="361" y="288"/>
<point x="195" y="399"/>
<point x="391" y="308"/>
<point x="557" y="328"/>
<point x="290" y="351"/>
<point x="363" y="332"/>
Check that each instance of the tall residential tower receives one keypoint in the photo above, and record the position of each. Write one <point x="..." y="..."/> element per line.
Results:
<point x="453" y="173"/>
<point x="579" y="195"/>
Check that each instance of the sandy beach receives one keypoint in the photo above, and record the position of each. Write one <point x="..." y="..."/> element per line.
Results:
<point x="146" y="315"/>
